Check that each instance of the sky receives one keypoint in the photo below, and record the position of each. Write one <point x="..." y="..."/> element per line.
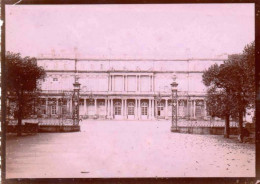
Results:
<point x="155" y="31"/>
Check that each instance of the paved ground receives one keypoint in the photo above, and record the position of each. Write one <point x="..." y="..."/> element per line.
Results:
<point x="127" y="149"/>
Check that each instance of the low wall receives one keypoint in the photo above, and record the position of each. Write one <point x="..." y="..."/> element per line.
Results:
<point x="45" y="128"/>
<point x="207" y="130"/>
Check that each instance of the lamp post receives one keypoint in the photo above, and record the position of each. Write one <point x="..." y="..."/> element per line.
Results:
<point x="174" y="85"/>
<point x="75" y="103"/>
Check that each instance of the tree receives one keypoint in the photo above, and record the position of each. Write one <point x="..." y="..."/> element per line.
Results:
<point x="242" y="77"/>
<point x="248" y="65"/>
<point x="23" y="76"/>
<point x="219" y="102"/>
<point x="236" y="81"/>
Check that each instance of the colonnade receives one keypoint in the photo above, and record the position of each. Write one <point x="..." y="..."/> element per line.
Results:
<point x="144" y="108"/>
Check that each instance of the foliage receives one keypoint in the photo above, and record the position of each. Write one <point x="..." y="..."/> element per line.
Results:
<point x="218" y="103"/>
<point x="23" y="76"/>
<point x="231" y="85"/>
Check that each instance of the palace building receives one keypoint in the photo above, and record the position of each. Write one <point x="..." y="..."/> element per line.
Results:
<point x="128" y="89"/>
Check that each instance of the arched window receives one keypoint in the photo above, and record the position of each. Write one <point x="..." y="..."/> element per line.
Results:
<point x="160" y="106"/>
<point x="131" y="108"/>
<point x="144" y="107"/>
<point x="117" y="108"/>
<point x="81" y="102"/>
<point x="181" y="103"/>
<point x="53" y="109"/>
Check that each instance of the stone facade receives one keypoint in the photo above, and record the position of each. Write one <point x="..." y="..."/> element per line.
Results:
<point x="124" y="89"/>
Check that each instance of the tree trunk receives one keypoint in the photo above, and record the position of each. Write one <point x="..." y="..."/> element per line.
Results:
<point x="227" y="128"/>
<point x="19" y="125"/>
<point x="240" y="120"/>
<point x="20" y="115"/>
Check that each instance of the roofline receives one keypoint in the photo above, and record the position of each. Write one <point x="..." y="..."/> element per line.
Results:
<point x="95" y="59"/>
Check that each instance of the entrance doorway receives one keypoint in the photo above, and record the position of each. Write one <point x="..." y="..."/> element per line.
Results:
<point x="160" y="110"/>
<point x="144" y="110"/>
<point x="118" y="110"/>
<point x="131" y="110"/>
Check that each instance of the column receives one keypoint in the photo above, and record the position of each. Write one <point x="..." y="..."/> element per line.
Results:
<point x="108" y="108"/>
<point x="188" y="108"/>
<point x="105" y="107"/>
<point x="166" y="108"/>
<point x="67" y="106"/>
<point x="191" y="108"/>
<point x="194" y="108"/>
<point x="150" y="109"/>
<point x="122" y="109"/>
<point x="46" y="106"/>
<point x="71" y="106"/>
<point x="136" y="112"/>
<point x="139" y="108"/>
<point x="155" y="108"/>
<point x="57" y="106"/>
<point x="85" y="106"/>
<point x="95" y="106"/>
<point x="126" y="108"/>
<point x="112" y="108"/>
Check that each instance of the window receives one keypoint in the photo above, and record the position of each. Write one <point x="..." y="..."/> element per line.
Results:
<point x="43" y="101"/>
<point x="160" y="106"/>
<point x="53" y="109"/>
<point x="181" y="103"/>
<point x="64" y="110"/>
<point x="117" y="108"/>
<point x="64" y="101"/>
<point x="81" y="102"/>
<point x="144" y="107"/>
<point x="131" y="108"/>
<point x="55" y="79"/>
<point x="61" y="101"/>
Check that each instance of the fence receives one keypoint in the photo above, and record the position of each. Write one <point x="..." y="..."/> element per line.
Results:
<point x="44" y="121"/>
<point x="188" y="123"/>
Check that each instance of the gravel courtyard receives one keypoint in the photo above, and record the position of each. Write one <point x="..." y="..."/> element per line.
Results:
<point x="127" y="149"/>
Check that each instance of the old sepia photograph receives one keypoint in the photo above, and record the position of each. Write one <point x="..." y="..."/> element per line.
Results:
<point x="130" y="91"/>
